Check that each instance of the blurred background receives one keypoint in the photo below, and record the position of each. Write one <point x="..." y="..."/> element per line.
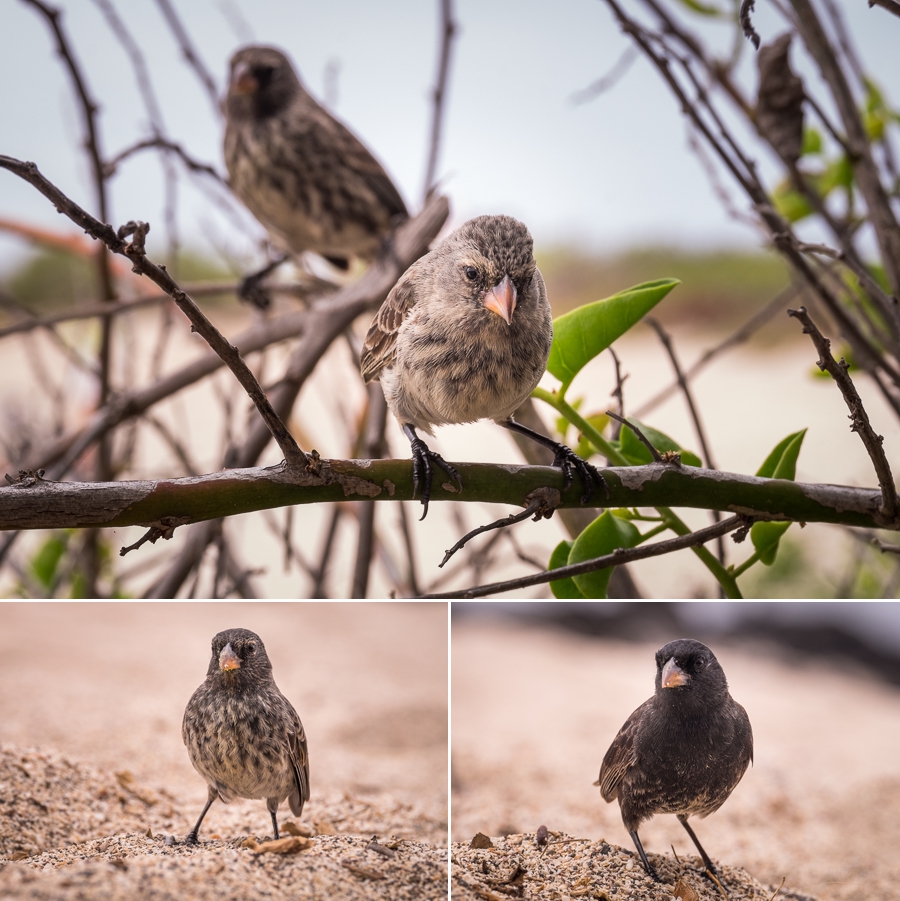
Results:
<point x="540" y="691"/>
<point x="551" y="118"/>
<point x="106" y="685"/>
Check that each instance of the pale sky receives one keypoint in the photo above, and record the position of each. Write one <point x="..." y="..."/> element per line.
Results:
<point x="609" y="174"/>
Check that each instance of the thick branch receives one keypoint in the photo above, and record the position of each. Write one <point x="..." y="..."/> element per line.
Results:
<point x="46" y="504"/>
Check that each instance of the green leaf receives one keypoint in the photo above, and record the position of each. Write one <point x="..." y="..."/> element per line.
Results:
<point x="602" y="536"/>
<point x="585" y="448"/>
<point x="582" y="334"/>
<point x="704" y="9"/>
<point x="765" y="537"/>
<point x="46" y="560"/>
<point x="780" y="464"/>
<point x="637" y="454"/>
<point x="790" y="203"/>
<point x="563" y="588"/>
<point x="812" y="142"/>
<point x="782" y="461"/>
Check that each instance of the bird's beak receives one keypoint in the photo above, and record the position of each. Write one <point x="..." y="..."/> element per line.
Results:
<point x="673" y="675"/>
<point x="242" y="80"/>
<point x="228" y="660"/>
<point x="501" y="299"/>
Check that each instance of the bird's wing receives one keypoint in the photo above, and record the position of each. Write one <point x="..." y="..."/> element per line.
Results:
<point x="619" y="758"/>
<point x="300" y="763"/>
<point x="381" y="339"/>
<point x="333" y="139"/>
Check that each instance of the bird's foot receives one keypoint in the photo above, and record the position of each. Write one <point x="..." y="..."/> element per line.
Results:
<point x="423" y="471"/>
<point x="567" y="460"/>
<point x="191" y="839"/>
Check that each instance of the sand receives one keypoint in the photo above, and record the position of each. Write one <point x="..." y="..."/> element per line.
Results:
<point x="534" y="710"/>
<point x="97" y="791"/>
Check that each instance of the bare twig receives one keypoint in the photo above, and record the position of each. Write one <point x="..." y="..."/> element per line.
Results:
<point x="448" y="30"/>
<point x="742" y="334"/>
<point x="654" y="453"/>
<point x="161" y="143"/>
<point x="892" y="6"/>
<point x="682" y="383"/>
<point x="541" y="504"/>
<point x="116" y="242"/>
<point x="190" y="54"/>
<point x="890" y="505"/>
<point x="620" y="555"/>
<point x="372" y="447"/>
<point x="618" y="71"/>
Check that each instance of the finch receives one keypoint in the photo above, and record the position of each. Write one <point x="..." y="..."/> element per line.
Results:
<point x="242" y="735"/>
<point x="465" y="335"/>
<point x="684" y="750"/>
<point x="307" y="178"/>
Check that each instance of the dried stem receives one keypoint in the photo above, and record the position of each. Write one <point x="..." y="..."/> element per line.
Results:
<point x="448" y="31"/>
<point x="620" y="555"/>
<point x="890" y="506"/>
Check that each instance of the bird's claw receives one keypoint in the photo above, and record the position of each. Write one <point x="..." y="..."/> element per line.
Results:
<point x="567" y="460"/>
<point x="423" y="472"/>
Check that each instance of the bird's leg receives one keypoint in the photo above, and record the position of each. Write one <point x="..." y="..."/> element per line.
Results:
<point x="640" y="848"/>
<point x="706" y="861"/>
<point x="250" y="289"/>
<point x="272" y="811"/>
<point x="191" y="837"/>
<point x="422" y="469"/>
<point x="565" y="459"/>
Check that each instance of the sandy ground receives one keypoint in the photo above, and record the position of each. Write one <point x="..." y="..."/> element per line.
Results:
<point x="534" y="711"/>
<point x="92" y="757"/>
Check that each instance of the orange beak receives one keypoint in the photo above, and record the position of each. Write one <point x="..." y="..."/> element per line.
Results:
<point x="228" y="660"/>
<point x="673" y="675"/>
<point x="242" y="80"/>
<point x="501" y="299"/>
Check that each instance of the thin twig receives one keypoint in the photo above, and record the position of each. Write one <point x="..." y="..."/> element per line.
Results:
<point x="134" y="250"/>
<point x="742" y="334"/>
<point x="620" y="555"/>
<point x="657" y="456"/>
<point x="890" y="504"/>
<point x="372" y="447"/>
<point x="685" y="388"/>
<point x="616" y="73"/>
<point x="892" y="6"/>
<point x="161" y="143"/>
<point x="448" y="30"/>
<point x="541" y="504"/>
<point x="187" y="49"/>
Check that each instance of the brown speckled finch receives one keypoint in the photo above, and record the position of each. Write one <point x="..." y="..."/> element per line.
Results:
<point x="684" y="750"/>
<point x="242" y="735"/>
<point x="465" y="335"/>
<point x="302" y="174"/>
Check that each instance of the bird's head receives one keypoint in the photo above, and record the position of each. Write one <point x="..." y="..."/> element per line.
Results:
<point x="238" y="655"/>
<point x="686" y="665"/>
<point x="262" y="83"/>
<point x="496" y="264"/>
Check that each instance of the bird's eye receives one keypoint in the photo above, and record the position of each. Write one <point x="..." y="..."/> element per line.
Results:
<point x="251" y="647"/>
<point x="471" y="273"/>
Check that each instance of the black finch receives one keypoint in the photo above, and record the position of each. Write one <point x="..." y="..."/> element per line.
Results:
<point x="465" y="335"/>
<point x="307" y="178"/>
<point x="684" y="750"/>
<point x="242" y="735"/>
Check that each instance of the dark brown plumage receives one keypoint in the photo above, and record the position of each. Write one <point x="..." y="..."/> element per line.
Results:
<point x="242" y="735"/>
<point x="306" y="177"/>
<point x="465" y="335"/>
<point x="684" y="750"/>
